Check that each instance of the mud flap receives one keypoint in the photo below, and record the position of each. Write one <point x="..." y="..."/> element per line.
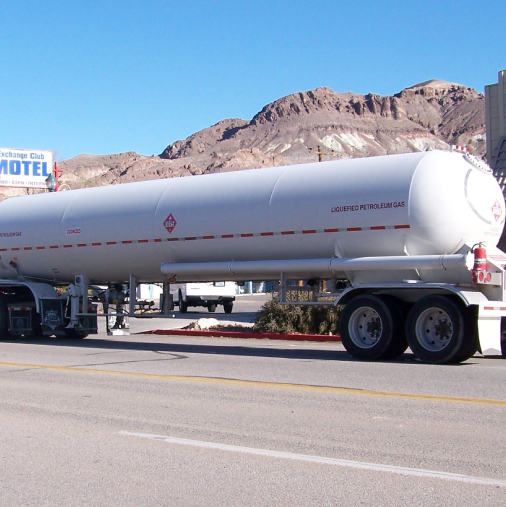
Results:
<point x="489" y="326"/>
<point x="52" y="321"/>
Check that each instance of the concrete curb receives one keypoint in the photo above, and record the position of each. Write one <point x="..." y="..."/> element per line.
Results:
<point x="246" y="335"/>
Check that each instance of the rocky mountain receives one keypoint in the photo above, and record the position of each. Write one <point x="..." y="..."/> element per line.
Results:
<point x="291" y="130"/>
<point x="426" y="116"/>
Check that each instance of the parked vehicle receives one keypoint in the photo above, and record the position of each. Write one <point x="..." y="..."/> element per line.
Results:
<point x="209" y="295"/>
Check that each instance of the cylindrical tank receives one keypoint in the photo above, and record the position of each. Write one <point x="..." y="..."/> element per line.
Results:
<point x="409" y="204"/>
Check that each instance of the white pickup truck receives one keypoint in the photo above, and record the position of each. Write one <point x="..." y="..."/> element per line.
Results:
<point x="209" y="295"/>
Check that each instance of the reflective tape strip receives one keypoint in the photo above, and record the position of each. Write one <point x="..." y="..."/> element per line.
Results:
<point x="223" y="236"/>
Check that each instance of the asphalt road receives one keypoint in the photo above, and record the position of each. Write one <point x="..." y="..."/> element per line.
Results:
<point x="157" y="420"/>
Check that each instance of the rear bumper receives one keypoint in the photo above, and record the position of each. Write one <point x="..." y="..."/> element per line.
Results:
<point x="208" y="300"/>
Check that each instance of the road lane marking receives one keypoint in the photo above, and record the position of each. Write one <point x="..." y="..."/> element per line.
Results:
<point x="264" y="385"/>
<point x="376" y="467"/>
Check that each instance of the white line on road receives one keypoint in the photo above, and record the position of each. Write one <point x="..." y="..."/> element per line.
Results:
<point x="432" y="474"/>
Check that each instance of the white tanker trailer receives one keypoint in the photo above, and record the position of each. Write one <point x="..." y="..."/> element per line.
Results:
<point x="412" y="236"/>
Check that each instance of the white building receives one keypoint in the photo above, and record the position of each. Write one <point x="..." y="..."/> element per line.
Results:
<point x="495" y="114"/>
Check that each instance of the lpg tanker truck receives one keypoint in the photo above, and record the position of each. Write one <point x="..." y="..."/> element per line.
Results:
<point x="409" y="240"/>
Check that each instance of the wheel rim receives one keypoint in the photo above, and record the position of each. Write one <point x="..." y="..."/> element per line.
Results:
<point x="434" y="329"/>
<point x="365" y="327"/>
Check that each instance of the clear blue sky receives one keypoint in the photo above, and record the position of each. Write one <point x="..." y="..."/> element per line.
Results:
<point x="107" y="76"/>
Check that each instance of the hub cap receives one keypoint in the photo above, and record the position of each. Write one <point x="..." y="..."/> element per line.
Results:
<point x="434" y="329"/>
<point x="365" y="327"/>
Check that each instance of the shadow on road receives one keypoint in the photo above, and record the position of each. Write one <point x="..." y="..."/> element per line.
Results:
<point x="190" y="348"/>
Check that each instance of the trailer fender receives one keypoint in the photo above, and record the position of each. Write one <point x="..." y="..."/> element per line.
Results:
<point x="39" y="290"/>
<point x="405" y="292"/>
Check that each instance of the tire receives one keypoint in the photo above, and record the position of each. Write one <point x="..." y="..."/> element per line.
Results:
<point x="503" y="337"/>
<point x="75" y="333"/>
<point x="4" y="317"/>
<point x="183" y="307"/>
<point x="211" y="308"/>
<point x="369" y="328"/>
<point x="228" y="307"/>
<point x="36" y="327"/>
<point x="399" y="343"/>
<point x="471" y="342"/>
<point x="439" y="331"/>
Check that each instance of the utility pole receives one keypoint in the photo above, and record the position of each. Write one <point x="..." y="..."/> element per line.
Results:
<point x="320" y="153"/>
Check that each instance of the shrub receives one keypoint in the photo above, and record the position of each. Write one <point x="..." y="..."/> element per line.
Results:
<point x="276" y="318"/>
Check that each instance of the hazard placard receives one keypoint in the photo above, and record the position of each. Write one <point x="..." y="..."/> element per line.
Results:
<point x="497" y="210"/>
<point x="170" y="223"/>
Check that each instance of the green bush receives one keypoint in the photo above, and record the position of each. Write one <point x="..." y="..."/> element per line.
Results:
<point x="276" y="318"/>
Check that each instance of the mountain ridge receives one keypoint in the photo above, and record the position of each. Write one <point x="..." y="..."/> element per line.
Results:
<point x="429" y="115"/>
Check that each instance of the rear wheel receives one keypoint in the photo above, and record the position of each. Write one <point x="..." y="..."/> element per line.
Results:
<point x="36" y="327"/>
<point x="399" y="343"/>
<point x="228" y="307"/>
<point x="183" y="307"/>
<point x="503" y="336"/>
<point x="439" y="331"/>
<point x="211" y="308"/>
<point x="4" y="316"/>
<point x="371" y="328"/>
<point x="75" y="333"/>
<point x="471" y="342"/>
